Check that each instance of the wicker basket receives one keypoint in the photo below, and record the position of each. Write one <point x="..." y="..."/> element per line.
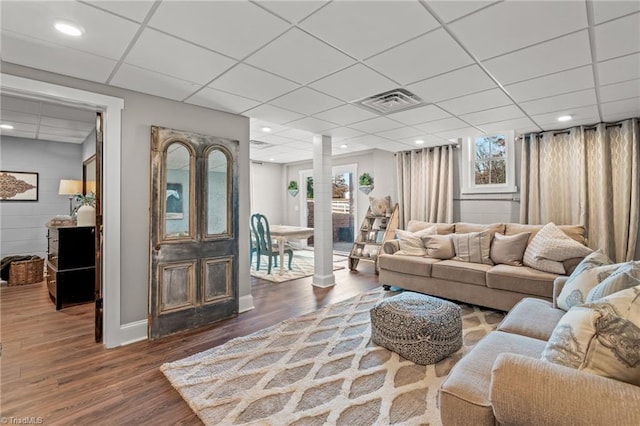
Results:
<point x="26" y="271"/>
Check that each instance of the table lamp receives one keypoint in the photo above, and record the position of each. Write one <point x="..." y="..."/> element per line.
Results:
<point x="70" y="187"/>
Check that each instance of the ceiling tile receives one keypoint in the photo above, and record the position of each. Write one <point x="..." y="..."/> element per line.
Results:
<point x="429" y="140"/>
<point x="345" y="114"/>
<point x="105" y="34"/>
<point x="296" y="134"/>
<point x="453" y="84"/>
<point x="13" y="103"/>
<point x="554" y="84"/>
<point x="477" y="102"/>
<point x="292" y="11"/>
<point x="275" y="140"/>
<point x="299" y="57"/>
<point x="620" y="69"/>
<point x="619" y="91"/>
<point x="489" y="40"/>
<point x="250" y="82"/>
<point x="508" y="125"/>
<point x="627" y="108"/>
<point x="401" y="133"/>
<point x="452" y="135"/>
<point x="423" y="57"/>
<point x="617" y="38"/>
<point x="153" y="83"/>
<point x="273" y="114"/>
<point x="19" y="133"/>
<point x="311" y="124"/>
<point x="605" y="10"/>
<point x="419" y="115"/>
<point x="306" y="101"/>
<point x="387" y="145"/>
<point x="61" y="138"/>
<point x="450" y="10"/>
<point x="21" y="127"/>
<point x="81" y="126"/>
<point x="341" y="133"/>
<point x="233" y="28"/>
<point x="550" y="120"/>
<point x="354" y="83"/>
<point x="369" y="141"/>
<point x="9" y="117"/>
<point x="54" y="58"/>
<point x="256" y="125"/>
<point x="215" y="99"/>
<point x="68" y="113"/>
<point x="442" y="125"/>
<point x="176" y="58"/>
<point x="560" y="102"/>
<point x="493" y="115"/>
<point x="136" y="10"/>
<point x="378" y="124"/>
<point x="556" y="55"/>
<point x="57" y="131"/>
<point x="363" y="28"/>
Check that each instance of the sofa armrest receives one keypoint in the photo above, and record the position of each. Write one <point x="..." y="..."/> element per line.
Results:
<point x="558" y="283"/>
<point x="530" y="391"/>
<point x="391" y="246"/>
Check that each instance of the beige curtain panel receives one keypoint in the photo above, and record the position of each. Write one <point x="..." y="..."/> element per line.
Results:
<point x="425" y="184"/>
<point x="586" y="176"/>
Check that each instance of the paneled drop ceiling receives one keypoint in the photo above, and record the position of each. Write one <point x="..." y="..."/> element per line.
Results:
<point x="301" y="67"/>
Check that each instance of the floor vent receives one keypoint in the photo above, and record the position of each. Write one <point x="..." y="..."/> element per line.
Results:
<point x="391" y="101"/>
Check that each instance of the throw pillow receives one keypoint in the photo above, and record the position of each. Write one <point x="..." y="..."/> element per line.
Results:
<point x="626" y="276"/>
<point x="411" y="243"/>
<point x="601" y="337"/>
<point x="439" y="246"/>
<point x="588" y="274"/>
<point x="550" y="247"/>
<point x="380" y="206"/>
<point x="509" y="249"/>
<point x="473" y="247"/>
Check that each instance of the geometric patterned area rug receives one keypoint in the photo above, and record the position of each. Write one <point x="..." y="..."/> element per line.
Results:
<point x="301" y="266"/>
<point x="316" y="369"/>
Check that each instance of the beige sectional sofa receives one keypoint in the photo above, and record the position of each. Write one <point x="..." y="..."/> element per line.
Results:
<point x="496" y="286"/>
<point x="503" y="379"/>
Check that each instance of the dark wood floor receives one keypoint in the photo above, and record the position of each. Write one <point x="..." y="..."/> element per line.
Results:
<point x="51" y="367"/>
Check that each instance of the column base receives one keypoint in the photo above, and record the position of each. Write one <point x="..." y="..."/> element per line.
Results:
<point x="324" y="281"/>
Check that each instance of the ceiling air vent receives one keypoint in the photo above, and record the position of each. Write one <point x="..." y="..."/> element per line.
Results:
<point x="391" y="101"/>
<point x="259" y="144"/>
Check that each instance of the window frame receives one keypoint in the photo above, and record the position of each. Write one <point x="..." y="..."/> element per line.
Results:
<point x="468" y="161"/>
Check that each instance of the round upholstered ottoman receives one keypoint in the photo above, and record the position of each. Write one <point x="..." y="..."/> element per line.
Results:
<point x="420" y="328"/>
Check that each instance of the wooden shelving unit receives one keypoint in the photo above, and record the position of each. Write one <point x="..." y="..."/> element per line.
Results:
<point x="374" y="231"/>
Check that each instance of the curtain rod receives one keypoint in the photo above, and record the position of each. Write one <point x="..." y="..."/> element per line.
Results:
<point x="568" y="130"/>
<point x="430" y="148"/>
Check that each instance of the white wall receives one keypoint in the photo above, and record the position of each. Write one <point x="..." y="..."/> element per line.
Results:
<point x="268" y="191"/>
<point x="140" y="112"/>
<point x="23" y="223"/>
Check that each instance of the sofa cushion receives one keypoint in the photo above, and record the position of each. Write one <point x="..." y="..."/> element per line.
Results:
<point x="550" y="247"/>
<point x="473" y="247"/>
<point x="509" y="249"/>
<point x="439" y="246"/>
<point x="588" y="274"/>
<point x="624" y="277"/>
<point x="411" y="243"/>
<point x="455" y="270"/>
<point x="465" y="228"/>
<point x="464" y="394"/>
<point x="407" y="264"/>
<point x="533" y="318"/>
<point x="576" y="232"/>
<point x="601" y="337"/>
<point x="521" y="279"/>
<point x="441" y="228"/>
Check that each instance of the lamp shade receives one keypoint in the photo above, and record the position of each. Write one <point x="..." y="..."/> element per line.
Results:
<point x="69" y="187"/>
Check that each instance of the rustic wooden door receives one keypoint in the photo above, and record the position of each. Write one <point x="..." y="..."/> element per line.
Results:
<point x="99" y="312"/>
<point x="194" y="231"/>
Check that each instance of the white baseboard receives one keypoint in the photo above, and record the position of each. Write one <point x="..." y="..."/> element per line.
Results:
<point x="245" y="303"/>
<point x="324" y="281"/>
<point x="133" y="332"/>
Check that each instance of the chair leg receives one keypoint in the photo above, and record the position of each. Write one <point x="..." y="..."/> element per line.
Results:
<point x="290" y="258"/>
<point x="269" y="268"/>
<point x="258" y="258"/>
<point x="275" y="260"/>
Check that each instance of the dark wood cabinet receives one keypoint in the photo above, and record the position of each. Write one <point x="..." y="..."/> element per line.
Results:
<point x="71" y="264"/>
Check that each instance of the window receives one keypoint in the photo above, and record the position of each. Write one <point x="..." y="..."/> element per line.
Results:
<point x="488" y="164"/>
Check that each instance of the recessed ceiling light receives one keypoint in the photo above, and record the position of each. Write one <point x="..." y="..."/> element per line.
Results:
<point x="419" y="142"/>
<point x="564" y="118"/>
<point x="272" y="159"/>
<point x="344" y="146"/>
<point x="6" y="126"/>
<point x="68" y="28"/>
<point x="266" y="129"/>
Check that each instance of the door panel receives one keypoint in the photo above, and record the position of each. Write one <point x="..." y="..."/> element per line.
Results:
<point x="194" y="231"/>
<point x="98" y="247"/>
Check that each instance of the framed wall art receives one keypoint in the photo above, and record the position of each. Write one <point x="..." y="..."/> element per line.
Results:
<point x="18" y="186"/>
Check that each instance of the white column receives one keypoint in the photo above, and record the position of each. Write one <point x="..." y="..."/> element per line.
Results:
<point x="322" y="220"/>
